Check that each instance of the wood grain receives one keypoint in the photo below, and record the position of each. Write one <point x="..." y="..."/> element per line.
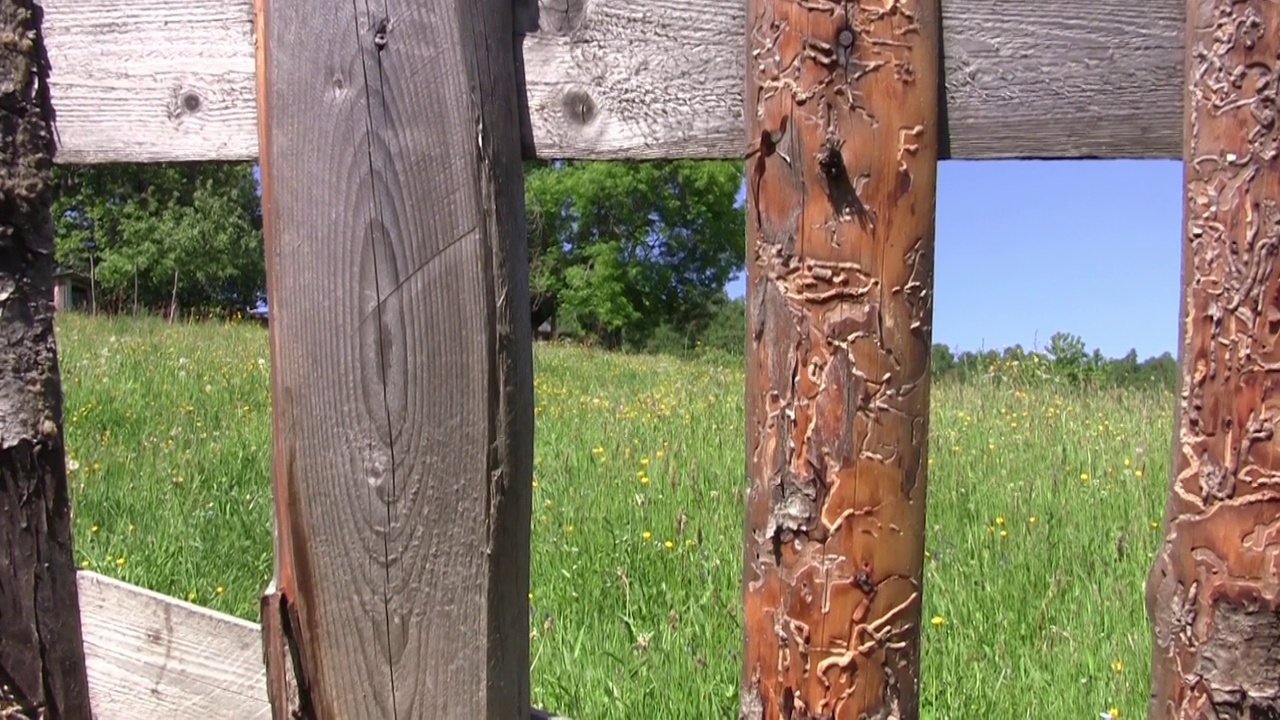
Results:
<point x="616" y="79"/>
<point x="156" y="81"/>
<point x="151" y="656"/>
<point x="1213" y="596"/>
<point x="402" y="357"/>
<point x="841" y="189"/>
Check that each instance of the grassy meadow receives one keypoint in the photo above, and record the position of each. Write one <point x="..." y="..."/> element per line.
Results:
<point x="1043" y="518"/>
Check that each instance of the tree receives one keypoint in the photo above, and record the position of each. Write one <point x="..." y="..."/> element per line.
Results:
<point x="617" y="249"/>
<point x="202" y="221"/>
<point x="42" y="665"/>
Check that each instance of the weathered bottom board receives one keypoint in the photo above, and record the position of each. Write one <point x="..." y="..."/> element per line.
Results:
<point x="154" y="657"/>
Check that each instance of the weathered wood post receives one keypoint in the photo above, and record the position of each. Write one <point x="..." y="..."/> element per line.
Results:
<point x="1213" y="595"/>
<point x="842" y="113"/>
<point x="402" y="359"/>
<point x="42" y="665"/>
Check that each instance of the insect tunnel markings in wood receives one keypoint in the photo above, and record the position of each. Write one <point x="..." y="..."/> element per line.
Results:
<point x="1212" y="594"/>
<point x="841" y="102"/>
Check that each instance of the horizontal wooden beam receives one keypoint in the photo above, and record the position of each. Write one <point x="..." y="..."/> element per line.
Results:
<point x="154" y="657"/>
<point x="617" y="79"/>
<point x="151" y="656"/>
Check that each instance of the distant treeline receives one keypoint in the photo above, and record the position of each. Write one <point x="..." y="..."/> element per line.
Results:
<point x="1065" y="359"/>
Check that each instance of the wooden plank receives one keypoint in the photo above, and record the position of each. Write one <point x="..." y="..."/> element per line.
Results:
<point x="151" y="656"/>
<point x="42" y="665"/>
<point x="402" y="360"/>
<point x="614" y="79"/>
<point x="163" y="80"/>
<point x="1212" y="594"/>
<point x="154" y="657"/>
<point x="841" y="189"/>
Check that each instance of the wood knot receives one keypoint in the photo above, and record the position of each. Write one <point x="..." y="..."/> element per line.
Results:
<point x="579" y="108"/>
<point x="183" y="103"/>
<point x="830" y="162"/>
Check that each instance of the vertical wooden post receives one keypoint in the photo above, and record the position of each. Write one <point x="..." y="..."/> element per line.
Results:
<point x="1213" y="594"/>
<point x="842" y="113"/>
<point x="402" y="359"/>
<point x="42" y="666"/>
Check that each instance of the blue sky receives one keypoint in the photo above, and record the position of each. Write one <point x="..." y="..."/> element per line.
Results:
<point x="1029" y="248"/>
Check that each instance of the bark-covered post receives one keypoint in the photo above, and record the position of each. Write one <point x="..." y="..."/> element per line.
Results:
<point x="42" y="666"/>
<point x="402" y="383"/>
<point x="842" y="117"/>
<point x="1213" y="594"/>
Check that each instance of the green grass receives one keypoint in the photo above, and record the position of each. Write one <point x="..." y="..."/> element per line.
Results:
<point x="1030" y="496"/>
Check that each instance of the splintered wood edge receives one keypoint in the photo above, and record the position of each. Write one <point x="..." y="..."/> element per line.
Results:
<point x="174" y="80"/>
<point x="155" y="657"/>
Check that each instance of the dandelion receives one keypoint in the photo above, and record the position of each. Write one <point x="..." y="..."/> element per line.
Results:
<point x="1117" y="665"/>
<point x="94" y="529"/>
<point x="219" y="590"/>
<point x="1138" y="472"/>
<point x="644" y="462"/>
<point x="120" y="561"/>
<point x="646" y="535"/>
<point x="191" y="596"/>
<point x="1084" y="477"/>
<point x="84" y="564"/>
<point x="1155" y="524"/>
<point x="1004" y="533"/>
<point x="938" y="621"/>
<point x="1032" y="519"/>
<point x="999" y="519"/>
<point x="668" y="544"/>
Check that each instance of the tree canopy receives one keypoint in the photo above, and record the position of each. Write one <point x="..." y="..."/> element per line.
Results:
<point x="202" y="221"/>
<point x="619" y="250"/>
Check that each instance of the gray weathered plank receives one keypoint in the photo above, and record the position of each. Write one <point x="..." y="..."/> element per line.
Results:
<point x="154" y="657"/>
<point x="151" y="656"/>
<point x="156" y="81"/>
<point x="402" y="368"/>
<point x="174" y="79"/>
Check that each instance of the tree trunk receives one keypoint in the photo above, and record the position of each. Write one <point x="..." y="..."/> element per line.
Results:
<point x="42" y="666"/>
<point x="842" y="111"/>
<point x="1213" y="594"/>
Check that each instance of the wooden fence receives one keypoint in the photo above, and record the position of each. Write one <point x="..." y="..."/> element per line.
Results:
<point x="390" y="139"/>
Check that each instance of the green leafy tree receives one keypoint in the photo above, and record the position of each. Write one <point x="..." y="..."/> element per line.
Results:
<point x="202" y="221"/>
<point x="619" y="249"/>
